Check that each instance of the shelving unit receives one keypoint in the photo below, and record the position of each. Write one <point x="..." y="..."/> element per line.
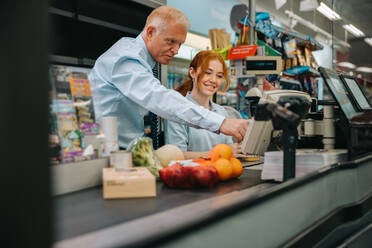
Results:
<point x="306" y="70"/>
<point x="84" y="29"/>
<point x="302" y="40"/>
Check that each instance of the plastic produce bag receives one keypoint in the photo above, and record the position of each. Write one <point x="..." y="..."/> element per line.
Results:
<point x="189" y="177"/>
<point x="143" y="155"/>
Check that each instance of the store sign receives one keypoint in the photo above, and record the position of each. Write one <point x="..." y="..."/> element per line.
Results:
<point x="242" y="52"/>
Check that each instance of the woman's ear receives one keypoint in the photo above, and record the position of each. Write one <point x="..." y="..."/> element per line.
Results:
<point x="192" y="73"/>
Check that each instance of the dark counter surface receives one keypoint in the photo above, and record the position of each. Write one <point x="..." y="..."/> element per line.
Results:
<point x="86" y="211"/>
<point x="84" y="219"/>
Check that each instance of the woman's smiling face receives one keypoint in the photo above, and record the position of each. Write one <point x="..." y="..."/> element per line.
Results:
<point x="212" y="79"/>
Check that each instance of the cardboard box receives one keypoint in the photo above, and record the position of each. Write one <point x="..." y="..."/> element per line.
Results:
<point x="129" y="183"/>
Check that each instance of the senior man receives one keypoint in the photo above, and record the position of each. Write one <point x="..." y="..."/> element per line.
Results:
<point x="123" y="84"/>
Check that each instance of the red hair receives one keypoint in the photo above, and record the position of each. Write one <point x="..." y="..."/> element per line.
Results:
<point x="201" y="60"/>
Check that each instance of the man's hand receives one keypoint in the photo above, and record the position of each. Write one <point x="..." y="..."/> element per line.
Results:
<point x="236" y="148"/>
<point x="235" y="127"/>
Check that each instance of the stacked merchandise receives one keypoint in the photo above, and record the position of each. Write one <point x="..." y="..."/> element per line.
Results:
<point x="299" y="66"/>
<point x="307" y="160"/>
<point x="220" y="41"/>
<point x="72" y="114"/>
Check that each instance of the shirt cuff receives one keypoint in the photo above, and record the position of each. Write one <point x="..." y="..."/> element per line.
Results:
<point x="213" y="121"/>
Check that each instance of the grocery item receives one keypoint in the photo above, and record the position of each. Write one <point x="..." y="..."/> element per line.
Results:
<point x="221" y="157"/>
<point x="248" y="157"/>
<point x="220" y="151"/>
<point x="188" y="177"/>
<point x="308" y="56"/>
<point x="288" y="63"/>
<point x="143" y="155"/>
<point x="224" y="168"/>
<point x="220" y="164"/>
<point x="244" y="36"/>
<point x="290" y="48"/>
<point x="237" y="167"/>
<point x="129" y="183"/>
<point x="110" y="131"/>
<point x="121" y="160"/>
<point x="167" y="153"/>
<point x="300" y="58"/>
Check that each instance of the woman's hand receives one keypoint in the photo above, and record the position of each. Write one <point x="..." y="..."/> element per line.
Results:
<point x="236" y="148"/>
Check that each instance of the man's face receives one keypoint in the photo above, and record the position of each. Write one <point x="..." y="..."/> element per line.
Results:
<point x="164" y="44"/>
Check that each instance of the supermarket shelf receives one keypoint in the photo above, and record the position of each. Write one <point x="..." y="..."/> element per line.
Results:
<point x="66" y="60"/>
<point x="299" y="70"/>
<point x="88" y="19"/>
<point x="302" y="40"/>
<point x="289" y="81"/>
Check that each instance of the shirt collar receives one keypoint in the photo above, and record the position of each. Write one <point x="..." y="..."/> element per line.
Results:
<point x="148" y="56"/>
<point x="189" y="97"/>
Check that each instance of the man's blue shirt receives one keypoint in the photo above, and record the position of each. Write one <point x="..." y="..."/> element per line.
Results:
<point x="123" y="86"/>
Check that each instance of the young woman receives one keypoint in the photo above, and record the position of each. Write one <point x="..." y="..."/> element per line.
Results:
<point x="207" y="72"/>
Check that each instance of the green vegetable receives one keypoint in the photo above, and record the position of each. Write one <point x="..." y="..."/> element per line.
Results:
<point x="143" y="155"/>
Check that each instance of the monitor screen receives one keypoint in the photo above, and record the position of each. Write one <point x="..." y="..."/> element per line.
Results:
<point x="339" y="92"/>
<point x="261" y="65"/>
<point x="357" y="93"/>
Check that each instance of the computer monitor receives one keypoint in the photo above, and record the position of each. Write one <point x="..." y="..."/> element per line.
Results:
<point x="258" y="135"/>
<point x="356" y="93"/>
<point x="339" y="92"/>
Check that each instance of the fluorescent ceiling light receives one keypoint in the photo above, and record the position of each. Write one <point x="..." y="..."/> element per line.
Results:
<point x="328" y="12"/>
<point x="314" y="27"/>
<point x="368" y="41"/>
<point x="308" y="5"/>
<point x="346" y="65"/>
<point x="364" y="69"/>
<point x="352" y="29"/>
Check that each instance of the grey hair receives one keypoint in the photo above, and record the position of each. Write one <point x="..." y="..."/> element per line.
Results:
<point x="162" y="16"/>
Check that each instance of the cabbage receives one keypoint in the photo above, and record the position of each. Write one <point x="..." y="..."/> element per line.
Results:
<point x="143" y="155"/>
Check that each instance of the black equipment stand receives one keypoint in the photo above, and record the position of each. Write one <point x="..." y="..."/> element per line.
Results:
<point x="287" y="119"/>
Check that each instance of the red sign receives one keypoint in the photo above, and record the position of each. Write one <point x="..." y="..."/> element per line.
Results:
<point x="241" y="52"/>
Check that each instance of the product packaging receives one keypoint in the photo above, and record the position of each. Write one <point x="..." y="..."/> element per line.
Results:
<point x="128" y="183"/>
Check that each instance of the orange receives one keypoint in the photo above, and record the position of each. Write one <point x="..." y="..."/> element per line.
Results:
<point x="237" y="167"/>
<point x="221" y="151"/>
<point x="224" y="168"/>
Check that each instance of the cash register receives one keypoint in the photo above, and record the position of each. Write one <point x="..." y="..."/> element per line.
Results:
<point x="355" y="119"/>
<point x="276" y="109"/>
<point x="259" y="132"/>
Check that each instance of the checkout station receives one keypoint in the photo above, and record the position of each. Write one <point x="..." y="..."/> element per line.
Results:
<point x="309" y="186"/>
<point x="293" y="197"/>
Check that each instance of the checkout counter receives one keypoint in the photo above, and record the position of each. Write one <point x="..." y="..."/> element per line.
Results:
<point x="328" y="204"/>
<point x="325" y="208"/>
